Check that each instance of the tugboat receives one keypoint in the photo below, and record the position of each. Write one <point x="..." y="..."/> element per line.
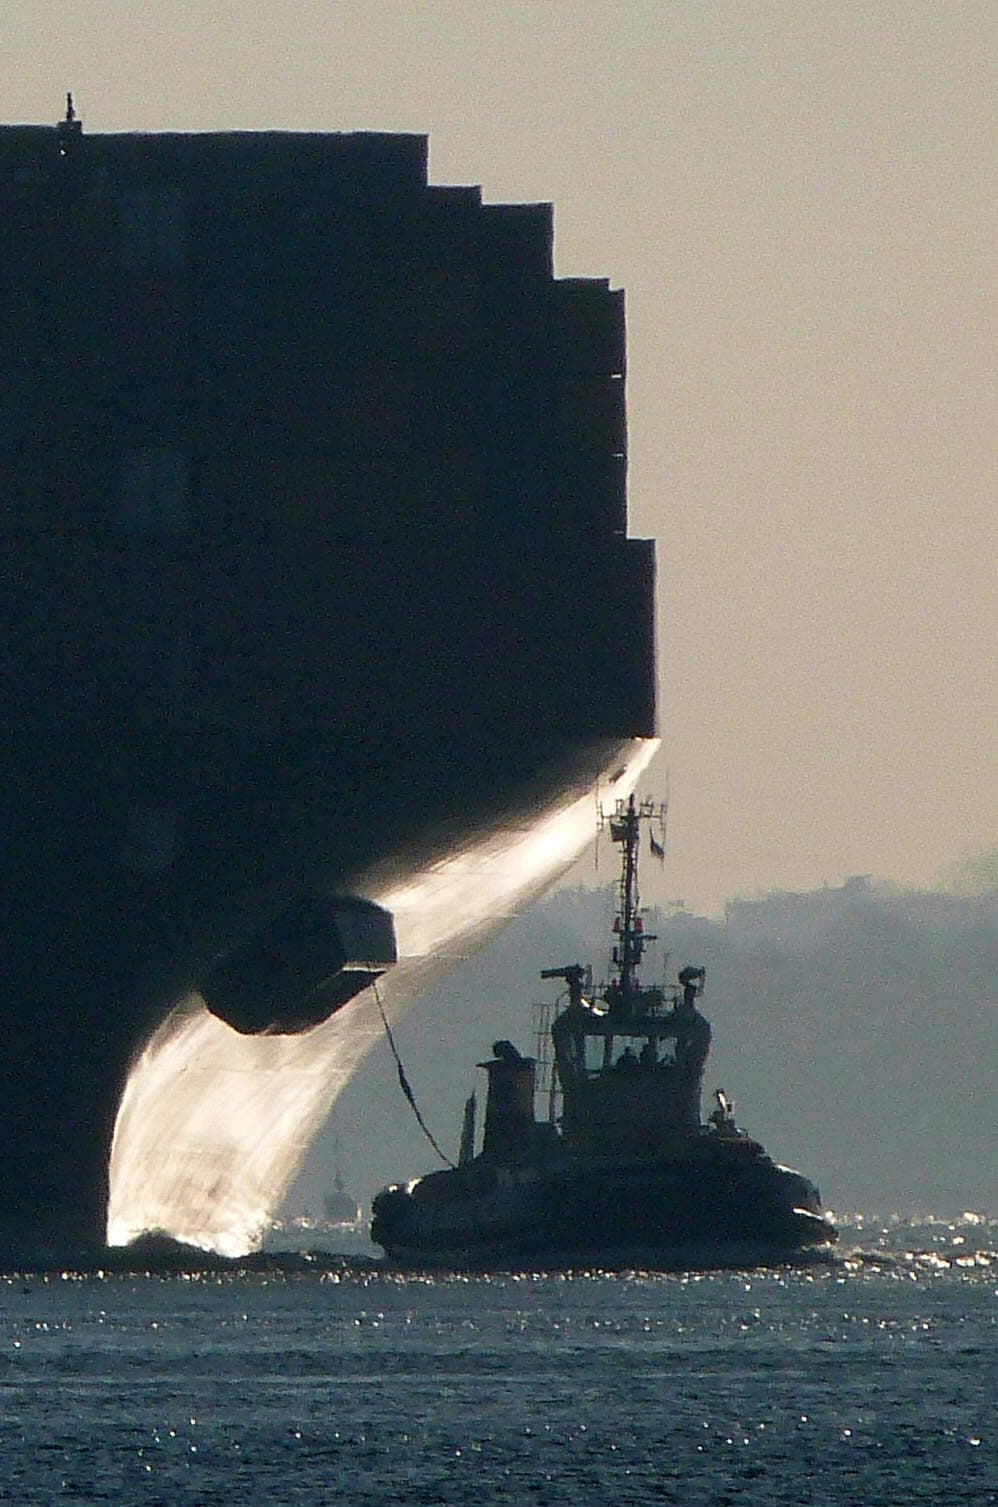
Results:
<point x="628" y="1174"/>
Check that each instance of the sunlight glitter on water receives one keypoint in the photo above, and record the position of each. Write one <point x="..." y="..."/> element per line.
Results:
<point x="831" y="1386"/>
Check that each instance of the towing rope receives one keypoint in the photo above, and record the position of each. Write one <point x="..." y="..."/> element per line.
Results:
<point x="404" y="1082"/>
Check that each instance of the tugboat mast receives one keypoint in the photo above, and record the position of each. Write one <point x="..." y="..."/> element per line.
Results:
<point x="625" y="828"/>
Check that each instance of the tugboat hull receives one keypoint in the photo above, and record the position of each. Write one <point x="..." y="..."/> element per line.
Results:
<point x="672" y="1214"/>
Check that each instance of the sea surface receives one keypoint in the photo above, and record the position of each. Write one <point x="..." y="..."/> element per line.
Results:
<point x="869" y="1379"/>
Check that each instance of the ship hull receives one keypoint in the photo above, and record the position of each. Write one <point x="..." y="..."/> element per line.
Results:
<point x="314" y="527"/>
<point x="653" y="1213"/>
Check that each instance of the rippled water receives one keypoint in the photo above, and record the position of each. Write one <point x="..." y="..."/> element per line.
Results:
<point x="871" y="1380"/>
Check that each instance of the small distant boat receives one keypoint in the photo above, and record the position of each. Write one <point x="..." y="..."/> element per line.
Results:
<point x="339" y="1206"/>
<point x="627" y="1174"/>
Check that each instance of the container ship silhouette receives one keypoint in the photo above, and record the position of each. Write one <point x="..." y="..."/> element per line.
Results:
<point x="317" y="577"/>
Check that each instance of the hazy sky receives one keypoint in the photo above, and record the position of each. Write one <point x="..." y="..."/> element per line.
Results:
<point x="799" y="199"/>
